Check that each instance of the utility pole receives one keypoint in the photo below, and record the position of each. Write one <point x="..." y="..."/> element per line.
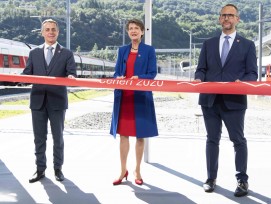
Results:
<point x="148" y="40"/>
<point x="123" y="31"/>
<point x="190" y="54"/>
<point x="68" y="25"/>
<point x="260" y="42"/>
<point x="148" y="22"/>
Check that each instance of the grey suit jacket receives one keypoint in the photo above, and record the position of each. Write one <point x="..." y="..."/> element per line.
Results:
<point x="62" y="65"/>
<point x="241" y="63"/>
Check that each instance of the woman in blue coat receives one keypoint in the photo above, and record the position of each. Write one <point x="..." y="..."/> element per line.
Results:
<point x="133" y="111"/>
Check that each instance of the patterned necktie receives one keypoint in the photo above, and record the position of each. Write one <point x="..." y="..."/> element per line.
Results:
<point x="49" y="55"/>
<point x="225" y="49"/>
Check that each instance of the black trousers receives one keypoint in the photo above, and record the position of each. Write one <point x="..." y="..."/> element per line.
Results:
<point x="234" y="122"/>
<point x="40" y="119"/>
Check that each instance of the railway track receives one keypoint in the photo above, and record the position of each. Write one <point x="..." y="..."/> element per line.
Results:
<point x="11" y="90"/>
<point x="13" y="93"/>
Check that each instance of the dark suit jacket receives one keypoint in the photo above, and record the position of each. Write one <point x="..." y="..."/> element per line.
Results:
<point x="62" y="65"/>
<point x="241" y="63"/>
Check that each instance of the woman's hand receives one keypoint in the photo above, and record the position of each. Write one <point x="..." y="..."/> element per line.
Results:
<point x="121" y="77"/>
<point x="134" y="77"/>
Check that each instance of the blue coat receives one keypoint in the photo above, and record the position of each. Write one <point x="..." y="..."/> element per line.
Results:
<point x="240" y="64"/>
<point x="145" y="68"/>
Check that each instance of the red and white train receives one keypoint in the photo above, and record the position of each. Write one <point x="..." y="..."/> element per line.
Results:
<point x="266" y="64"/>
<point x="14" y="54"/>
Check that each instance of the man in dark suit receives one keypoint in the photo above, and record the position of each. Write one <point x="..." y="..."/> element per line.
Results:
<point x="240" y="64"/>
<point x="49" y="102"/>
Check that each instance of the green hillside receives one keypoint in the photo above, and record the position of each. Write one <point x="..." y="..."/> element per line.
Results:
<point x="99" y="23"/>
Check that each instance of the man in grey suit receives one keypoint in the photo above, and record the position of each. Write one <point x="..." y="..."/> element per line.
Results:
<point x="226" y="58"/>
<point x="49" y="102"/>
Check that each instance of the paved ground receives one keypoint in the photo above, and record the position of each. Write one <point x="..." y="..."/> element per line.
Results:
<point x="174" y="174"/>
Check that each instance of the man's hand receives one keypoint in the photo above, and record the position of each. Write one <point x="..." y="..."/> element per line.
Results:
<point x="71" y="76"/>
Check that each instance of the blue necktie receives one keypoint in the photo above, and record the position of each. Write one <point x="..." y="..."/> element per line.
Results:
<point x="49" y="55"/>
<point x="225" y="49"/>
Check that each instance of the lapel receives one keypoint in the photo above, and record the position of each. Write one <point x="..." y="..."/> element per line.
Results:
<point x="216" y="49"/>
<point x="126" y="55"/>
<point x="41" y="53"/>
<point x="138" y="64"/>
<point x="55" y="57"/>
<point x="234" y="46"/>
<point x="125" y="58"/>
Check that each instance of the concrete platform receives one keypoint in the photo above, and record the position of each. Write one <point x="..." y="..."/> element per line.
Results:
<point x="175" y="172"/>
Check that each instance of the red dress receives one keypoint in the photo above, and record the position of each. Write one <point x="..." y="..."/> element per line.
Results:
<point x="126" y="124"/>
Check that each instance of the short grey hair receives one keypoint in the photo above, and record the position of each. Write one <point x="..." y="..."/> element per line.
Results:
<point x="48" y="21"/>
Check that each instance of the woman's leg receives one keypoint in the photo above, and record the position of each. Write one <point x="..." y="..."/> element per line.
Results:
<point x="139" y="154"/>
<point x="124" y="150"/>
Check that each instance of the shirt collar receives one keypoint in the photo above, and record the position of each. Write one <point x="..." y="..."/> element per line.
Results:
<point x="232" y="35"/>
<point x="53" y="45"/>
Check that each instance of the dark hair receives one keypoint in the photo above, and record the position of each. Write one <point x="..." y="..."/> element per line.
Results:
<point x="49" y="21"/>
<point x="137" y="22"/>
<point x="232" y="5"/>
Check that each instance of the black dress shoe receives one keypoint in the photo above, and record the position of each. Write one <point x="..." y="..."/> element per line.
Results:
<point x="242" y="189"/>
<point x="209" y="185"/>
<point x="59" y="175"/>
<point x="37" y="176"/>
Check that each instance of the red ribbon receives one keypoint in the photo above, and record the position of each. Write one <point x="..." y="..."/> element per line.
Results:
<point x="250" y="88"/>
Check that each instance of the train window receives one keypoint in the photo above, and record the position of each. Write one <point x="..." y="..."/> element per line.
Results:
<point x="16" y="60"/>
<point x="184" y="64"/>
<point x="87" y="66"/>
<point x="78" y="65"/>
<point x="6" y="64"/>
<point x="96" y="68"/>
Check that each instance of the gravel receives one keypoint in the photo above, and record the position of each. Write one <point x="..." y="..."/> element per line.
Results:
<point x="176" y="113"/>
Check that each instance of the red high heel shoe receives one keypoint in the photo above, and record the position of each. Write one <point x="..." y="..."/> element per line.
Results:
<point x="139" y="181"/>
<point x="118" y="182"/>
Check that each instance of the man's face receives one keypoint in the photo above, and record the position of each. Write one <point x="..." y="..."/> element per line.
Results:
<point x="228" y="19"/>
<point x="50" y="32"/>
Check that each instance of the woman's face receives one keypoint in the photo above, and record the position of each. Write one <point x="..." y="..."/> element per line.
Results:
<point x="135" y="32"/>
